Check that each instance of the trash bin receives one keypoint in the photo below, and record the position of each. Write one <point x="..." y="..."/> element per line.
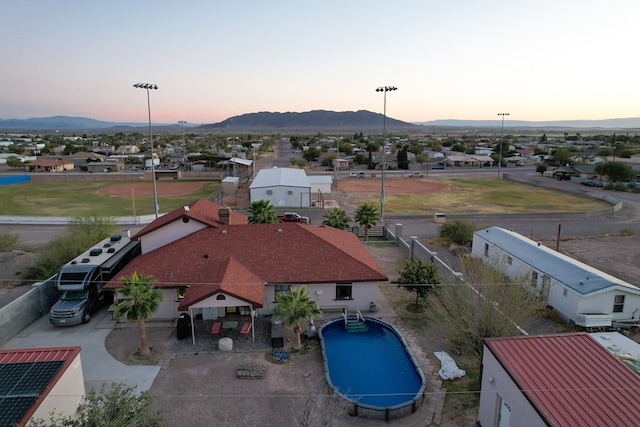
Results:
<point x="184" y="326"/>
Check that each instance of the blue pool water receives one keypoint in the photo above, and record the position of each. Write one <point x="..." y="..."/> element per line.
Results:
<point x="373" y="368"/>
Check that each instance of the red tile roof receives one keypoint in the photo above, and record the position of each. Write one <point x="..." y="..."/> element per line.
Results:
<point x="240" y="259"/>
<point x="570" y="379"/>
<point x="202" y="210"/>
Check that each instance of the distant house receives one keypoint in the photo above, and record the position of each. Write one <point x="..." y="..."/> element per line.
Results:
<point x="283" y="187"/>
<point x="555" y="380"/>
<point x="49" y="166"/>
<point x="467" y="160"/>
<point x="211" y="269"/>
<point x="582" y="294"/>
<point x="38" y="381"/>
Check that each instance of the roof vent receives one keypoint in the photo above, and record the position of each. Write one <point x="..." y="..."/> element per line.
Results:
<point x="106" y="245"/>
<point x="581" y="282"/>
<point x="85" y="260"/>
<point x="95" y="252"/>
<point x="116" y="238"/>
<point x="111" y="250"/>
<point x="279" y="230"/>
<point x="205" y="256"/>
<point x="223" y="232"/>
<point x="539" y="243"/>
<point x="186" y="208"/>
<point x="74" y="262"/>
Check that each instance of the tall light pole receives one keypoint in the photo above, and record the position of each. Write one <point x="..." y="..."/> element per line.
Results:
<point x="384" y="89"/>
<point x="149" y="86"/>
<point x="337" y="165"/>
<point x="501" y="135"/>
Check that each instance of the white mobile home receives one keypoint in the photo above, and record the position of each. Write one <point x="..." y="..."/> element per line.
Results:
<point x="580" y="293"/>
<point x="283" y="187"/>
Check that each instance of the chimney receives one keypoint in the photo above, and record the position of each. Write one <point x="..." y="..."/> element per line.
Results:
<point x="223" y="215"/>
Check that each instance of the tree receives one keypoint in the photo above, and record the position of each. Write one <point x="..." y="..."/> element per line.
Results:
<point x="336" y="218"/>
<point x="541" y="168"/>
<point x="487" y="305"/>
<point x="262" y="212"/>
<point x="138" y="300"/>
<point x="294" y="307"/>
<point x="118" y="406"/>
<point x="419" y="277"/>
<point x="616" y="171"/>
<point x="366" y="216"/>
<point x="14" y="162"/>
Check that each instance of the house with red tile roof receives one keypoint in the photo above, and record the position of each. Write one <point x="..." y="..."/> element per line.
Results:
<point x="184" y="221"/>
<point x="559" y="380"/>
<point x="49" y="166"/>
<point x="210" y="268"/>
<point x="38" y="381"/>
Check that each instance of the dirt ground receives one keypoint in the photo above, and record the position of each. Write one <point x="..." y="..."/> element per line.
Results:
<point x="143" y="189"/>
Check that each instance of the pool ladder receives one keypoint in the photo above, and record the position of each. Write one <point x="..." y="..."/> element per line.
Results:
<point x="355" y="324"/>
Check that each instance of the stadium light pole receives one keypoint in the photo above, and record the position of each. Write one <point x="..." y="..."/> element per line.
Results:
<point x="384" y="89"/>
<point x="147" y="87"/>
<point x="501" y="135"/>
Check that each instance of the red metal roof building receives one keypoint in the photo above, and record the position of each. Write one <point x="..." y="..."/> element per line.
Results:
<point x="35" y="382"/>
<point x="559" y="380"/>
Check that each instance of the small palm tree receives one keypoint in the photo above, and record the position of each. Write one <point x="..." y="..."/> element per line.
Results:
<point x="138" y="300"/>
<point x="294" y="307"/>
<point x="366" y="216"/>
<point x="262" y="212"/>
<point x="336" y="218"/>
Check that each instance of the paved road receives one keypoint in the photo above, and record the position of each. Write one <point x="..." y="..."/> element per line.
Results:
<point x="98" y="367"/>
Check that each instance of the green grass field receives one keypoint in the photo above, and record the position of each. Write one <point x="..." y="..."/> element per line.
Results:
<point x="83" y="199"/>
<point x="486" y="196"/>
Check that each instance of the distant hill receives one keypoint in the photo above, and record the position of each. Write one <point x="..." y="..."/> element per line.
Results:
<point x="310" y="121"/>
<point x="317" y="120"/>
<point x="627" y="123"/>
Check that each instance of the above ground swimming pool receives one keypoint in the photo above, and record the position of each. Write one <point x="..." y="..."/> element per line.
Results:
<point x="372" y="368"/>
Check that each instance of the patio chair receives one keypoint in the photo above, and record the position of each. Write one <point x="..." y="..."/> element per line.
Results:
<point x="216" y="328"/>
<point x="246" y="327"/>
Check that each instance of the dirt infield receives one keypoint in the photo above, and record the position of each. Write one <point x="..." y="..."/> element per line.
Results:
<point x="392" y="186"/>
<point x="145" y="189"/>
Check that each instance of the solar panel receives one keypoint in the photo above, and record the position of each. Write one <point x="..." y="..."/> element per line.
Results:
<point x="20" y="386"/>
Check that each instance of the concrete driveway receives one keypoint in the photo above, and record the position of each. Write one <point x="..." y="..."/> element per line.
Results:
<point x="98" y="367"/>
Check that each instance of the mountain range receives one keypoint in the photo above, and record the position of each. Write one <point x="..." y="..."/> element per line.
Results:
<point x="311" y="121"/>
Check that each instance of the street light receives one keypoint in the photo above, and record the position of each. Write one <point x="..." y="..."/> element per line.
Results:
<point x="148" y="86"/>
<point x="384" y="89"/>
<point x="501" y="133"/>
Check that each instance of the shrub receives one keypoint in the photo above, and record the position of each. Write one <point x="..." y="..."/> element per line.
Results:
<point x="8" y="241"/>
<point x="459" y="232"/>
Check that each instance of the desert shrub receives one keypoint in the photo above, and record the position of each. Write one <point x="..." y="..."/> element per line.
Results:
<point x="80" y="236"/>
<point x="459" y="232"/>
<point x="8" y="241"/>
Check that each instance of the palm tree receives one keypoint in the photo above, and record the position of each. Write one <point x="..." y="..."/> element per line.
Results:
<point x="336" y="218"/>
<point x="295" y="306"/>
<point x="262" y="212"/>
<point x="138" y="300"/>
<point x="366" y="216"/>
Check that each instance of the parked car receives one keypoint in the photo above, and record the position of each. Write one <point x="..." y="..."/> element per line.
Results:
<point x="416" y="175"/>
<point x="293" y="217"/>
<point x="438" y="166"/>
<point x="591" y="183"/>
<point x="356" y="174"/>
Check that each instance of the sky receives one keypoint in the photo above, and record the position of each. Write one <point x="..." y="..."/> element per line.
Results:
<point x="215" y="59"/>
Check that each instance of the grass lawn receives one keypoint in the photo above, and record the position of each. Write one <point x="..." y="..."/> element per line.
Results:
<point x="486" y="196"/>
<point x="83" y="199"/>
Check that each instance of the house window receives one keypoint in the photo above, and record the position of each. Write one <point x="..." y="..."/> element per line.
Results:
<point x="181" y="292"/>
<point x="534" y="279"/>
<point x="290" y="192"/>
<point x="269" y="192"/>
<point x="618" y="303"/>
<point x="280" y="289"/>
<point x="486" y="249"/>
<point x="564" y="292"/>
<point x="509" y="260"/>
<point x="343" y="292"/>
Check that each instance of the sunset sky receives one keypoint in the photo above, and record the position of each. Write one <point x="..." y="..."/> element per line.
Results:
<point x="215" y="59"/>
